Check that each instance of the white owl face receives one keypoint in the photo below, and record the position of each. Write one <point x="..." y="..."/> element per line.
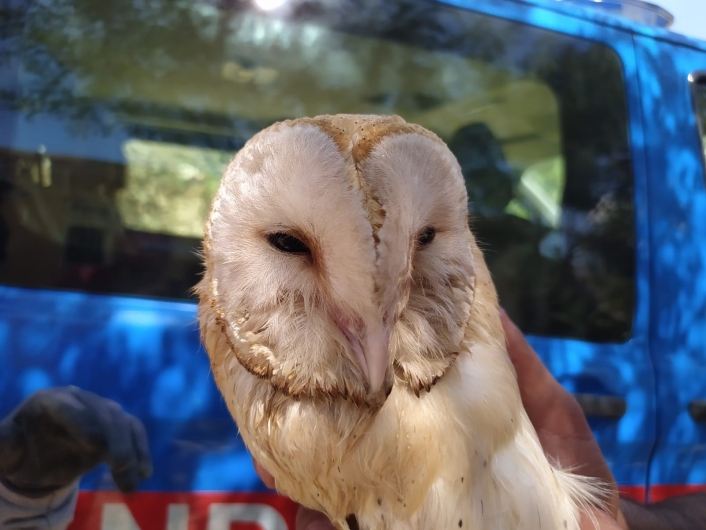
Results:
<point x="338" y="256"/>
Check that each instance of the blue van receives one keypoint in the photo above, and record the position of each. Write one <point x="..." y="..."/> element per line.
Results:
<point x="579" y="128"/>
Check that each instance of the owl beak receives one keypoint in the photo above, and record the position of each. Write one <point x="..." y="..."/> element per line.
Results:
<point x="371" y="352"/>
<point x="376" y="351"/>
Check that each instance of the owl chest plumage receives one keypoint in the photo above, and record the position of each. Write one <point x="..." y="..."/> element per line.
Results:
<point x="462" y="455"/>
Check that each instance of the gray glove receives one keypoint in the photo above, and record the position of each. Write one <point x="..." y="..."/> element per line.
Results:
<point x="57" y="435"/>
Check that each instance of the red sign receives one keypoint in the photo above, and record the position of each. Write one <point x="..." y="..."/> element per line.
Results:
<point x="103" y="510"/>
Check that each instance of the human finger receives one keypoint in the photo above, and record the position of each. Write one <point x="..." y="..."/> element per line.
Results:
<point x="597" y="519"/>
<point x="11" y="449"/>
<point x="141" y="447"/>
<point x="122" y="454"/>
<point x="312" y="520"/>
<point x="265" y="476"/>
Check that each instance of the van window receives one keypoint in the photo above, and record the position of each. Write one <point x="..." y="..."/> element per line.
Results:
<point x="118" y="120"/>
<point x="698" y="84"/>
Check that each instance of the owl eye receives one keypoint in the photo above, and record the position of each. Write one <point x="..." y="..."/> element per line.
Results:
<point x="426" y="236"/>
<point x="287" y="243"/>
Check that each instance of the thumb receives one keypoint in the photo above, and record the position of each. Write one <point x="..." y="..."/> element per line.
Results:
<point x="10" y="447"/>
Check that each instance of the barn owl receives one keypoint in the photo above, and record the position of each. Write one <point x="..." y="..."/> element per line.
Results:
<point x="353" y="330"/>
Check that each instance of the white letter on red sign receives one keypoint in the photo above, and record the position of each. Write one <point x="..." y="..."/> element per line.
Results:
<point x="222" y="515"/>
<point x="117" y="516"/>
<point x="178" y="517"/>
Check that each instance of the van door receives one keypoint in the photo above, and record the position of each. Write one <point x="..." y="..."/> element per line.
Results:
<point x="674" y="103"/>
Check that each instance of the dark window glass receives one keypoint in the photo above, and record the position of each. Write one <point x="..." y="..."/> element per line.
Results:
<point x="699" y="88"/>
<point x="119" y="117"/>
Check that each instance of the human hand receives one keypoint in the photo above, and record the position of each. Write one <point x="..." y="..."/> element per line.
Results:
<point x="560" y="424"/>
<point x="56" y="435"/>
<point x="306" y="519"/>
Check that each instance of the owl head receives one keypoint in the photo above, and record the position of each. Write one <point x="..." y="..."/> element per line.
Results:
<point x="338" y="257"/>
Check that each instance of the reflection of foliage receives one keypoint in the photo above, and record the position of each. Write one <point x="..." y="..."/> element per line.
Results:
<point x="94" y="62"/>
<point x="75" y="50"/>
<point x="210" y="74"/>
<point x="539" y="190"/>
<point x="598" y="197"/>
<point x="577" y="280"/>
<point x="47" y="85"/>
<point x="169" y="188"/>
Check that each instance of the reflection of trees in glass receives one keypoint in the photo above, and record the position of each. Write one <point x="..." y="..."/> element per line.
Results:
<point x="187" y="64"/>
<point x="505" y="96"/>
<point x="574" y="277"/>
<point x="598" y="218"/>
<point x="539" y="190"/>
<point x="43" y="84"/>
<point x="169" y="187"/>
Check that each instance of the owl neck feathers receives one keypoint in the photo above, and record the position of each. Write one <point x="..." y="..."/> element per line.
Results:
<point x="418" y="373"/>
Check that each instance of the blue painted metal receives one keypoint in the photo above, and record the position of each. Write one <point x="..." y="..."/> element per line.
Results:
<point x="636" y="10"/>
<point x="604" y="19"/>
<point x="146" y="354"/>
<point x="677" y="198"/>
